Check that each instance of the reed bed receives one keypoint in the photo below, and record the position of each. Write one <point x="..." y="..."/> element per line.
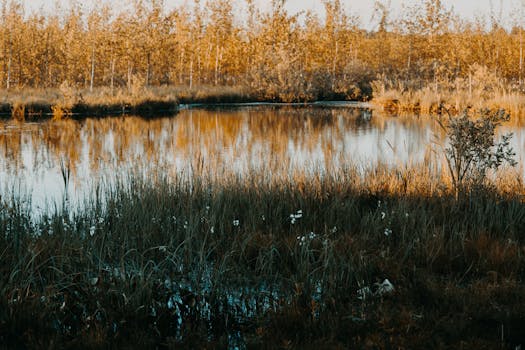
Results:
<point x="482" y="90"/>
<point x="366" y="258"/>
<point x="68" y="101"/>
<point x="427" y="101"/>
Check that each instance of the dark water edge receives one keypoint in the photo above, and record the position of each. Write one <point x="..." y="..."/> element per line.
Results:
<point x="151" y="108"/>
<point x="37" y="111"/>
<point x="316" y="104"/>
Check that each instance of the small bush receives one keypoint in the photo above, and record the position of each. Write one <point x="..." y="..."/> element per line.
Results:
<point x="473" y="151"/>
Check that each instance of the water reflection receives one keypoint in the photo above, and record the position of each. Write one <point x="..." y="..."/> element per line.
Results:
<point x="239" y="139"/>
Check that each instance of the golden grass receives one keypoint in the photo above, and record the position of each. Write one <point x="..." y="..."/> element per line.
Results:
<point x="482" y="90"/>
<point x="66" y="100"/>
<point x="428" y="101"/>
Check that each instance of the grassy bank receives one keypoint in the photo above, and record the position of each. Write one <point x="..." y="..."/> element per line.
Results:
<point x="428" y="101"/>
<point x="270" y="262"/>
<point x="392" y="96"/>
<point x="483" y="90"/>
<point x="70" y="102"/>
<point x="139" y="100"/>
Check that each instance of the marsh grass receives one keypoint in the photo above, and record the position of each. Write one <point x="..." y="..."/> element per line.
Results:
<point x="483" y="90"/>
<point x="68" y="101"/>
<point x="268" y="261"/>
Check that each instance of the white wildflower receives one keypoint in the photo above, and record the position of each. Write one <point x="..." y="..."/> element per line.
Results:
<point x="302" y="240"/>
<point x="236" y="223"/>
<point x="364" y="293"/>
<point x="388" y="232"/>
<point x="384" y="288"/>
<point x="294" y="217"/>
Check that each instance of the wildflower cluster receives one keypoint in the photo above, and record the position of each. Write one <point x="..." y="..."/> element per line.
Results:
<point x="305" y="239"/>
<point x="384" y="216"/>
<point x="93" y="228"/>
<point x="296" y="216"/>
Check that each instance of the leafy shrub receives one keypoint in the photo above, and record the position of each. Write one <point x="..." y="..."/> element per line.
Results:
<point x="472" y="149"/>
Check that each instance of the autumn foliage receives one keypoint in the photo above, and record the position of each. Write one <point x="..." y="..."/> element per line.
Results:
<point x="272" y="54"/>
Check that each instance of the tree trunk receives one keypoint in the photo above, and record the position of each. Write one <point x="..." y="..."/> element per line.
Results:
<point x="130" y="70"/>
<point x="181" y="66"/>
<point x="521" y="58"/>
<point x="191" y="74"/>
<point x="470" y="84"/>
<point x="148" y="69"/>
<point x="112" y="74"/>
<point x="334" y="64"/>
<point x="216" y="64"/>
<point x="91" y="83"/>
<point x="8" y="82"/>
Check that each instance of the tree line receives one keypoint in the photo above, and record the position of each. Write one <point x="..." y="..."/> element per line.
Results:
<point x="275" y="54"/>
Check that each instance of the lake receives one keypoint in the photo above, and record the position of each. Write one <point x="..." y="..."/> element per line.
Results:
<point x="36" y="157"/>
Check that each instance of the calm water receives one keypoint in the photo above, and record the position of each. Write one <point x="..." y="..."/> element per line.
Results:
<point x="308" y="138"/>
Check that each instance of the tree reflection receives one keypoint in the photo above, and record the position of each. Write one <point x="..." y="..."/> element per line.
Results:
<point x="274" y="139"/>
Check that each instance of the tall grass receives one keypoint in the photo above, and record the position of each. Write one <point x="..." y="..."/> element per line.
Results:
<point x="482" y="89"/>
<point x="138" y="100"/>
<point x="283" y="260"/>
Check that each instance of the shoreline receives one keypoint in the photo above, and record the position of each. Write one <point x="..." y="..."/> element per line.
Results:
<point x="168" y="100"/>
<point x="149" y="107"/>
<point x="79" y="111"/>
<point x="431" y="100"/>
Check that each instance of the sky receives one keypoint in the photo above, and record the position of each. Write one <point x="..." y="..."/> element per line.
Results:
<point x="468" y="9"/>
